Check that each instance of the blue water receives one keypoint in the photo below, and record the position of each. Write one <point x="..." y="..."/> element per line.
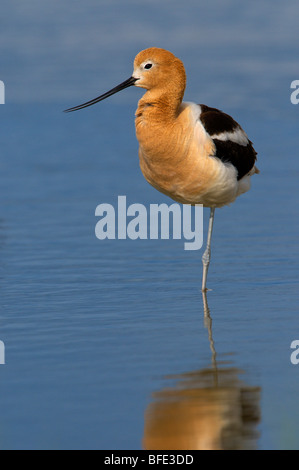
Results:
<point x="107" y="341"/>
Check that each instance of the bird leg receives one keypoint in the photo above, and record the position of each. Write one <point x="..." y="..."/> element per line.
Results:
<point x="207" y="254"/>
<point x="208" y="325"/>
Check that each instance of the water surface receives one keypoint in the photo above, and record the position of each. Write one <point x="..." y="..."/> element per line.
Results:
<point x="110" y="342"/>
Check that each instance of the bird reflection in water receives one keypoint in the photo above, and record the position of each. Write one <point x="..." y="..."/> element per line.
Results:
<point x="208" y="409"/>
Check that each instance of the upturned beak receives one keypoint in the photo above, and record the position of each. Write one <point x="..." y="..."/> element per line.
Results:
<point x="131" y="81"/>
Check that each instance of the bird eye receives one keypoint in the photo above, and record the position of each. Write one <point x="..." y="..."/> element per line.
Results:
<point x="148" y="66"/>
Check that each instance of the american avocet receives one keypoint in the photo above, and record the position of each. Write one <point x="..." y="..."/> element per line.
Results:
<point x="193" y="153"/>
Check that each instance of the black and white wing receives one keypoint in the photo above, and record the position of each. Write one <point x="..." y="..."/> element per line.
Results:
<point x="231" y="142"/>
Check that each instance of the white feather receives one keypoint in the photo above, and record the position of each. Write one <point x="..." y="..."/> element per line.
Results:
<point x="238" y="137"/>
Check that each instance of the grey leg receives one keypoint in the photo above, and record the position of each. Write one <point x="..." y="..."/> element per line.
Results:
<point x="207" y="254"/>
<point x="208" y="324"/>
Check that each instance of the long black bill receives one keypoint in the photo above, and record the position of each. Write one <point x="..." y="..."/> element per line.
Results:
<point x="114" y="90"/>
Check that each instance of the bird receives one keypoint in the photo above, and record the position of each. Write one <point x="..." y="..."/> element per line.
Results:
<point x="193" y="153"/>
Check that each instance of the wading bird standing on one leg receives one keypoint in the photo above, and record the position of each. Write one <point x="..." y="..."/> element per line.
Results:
<point x="193" y="153"/>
